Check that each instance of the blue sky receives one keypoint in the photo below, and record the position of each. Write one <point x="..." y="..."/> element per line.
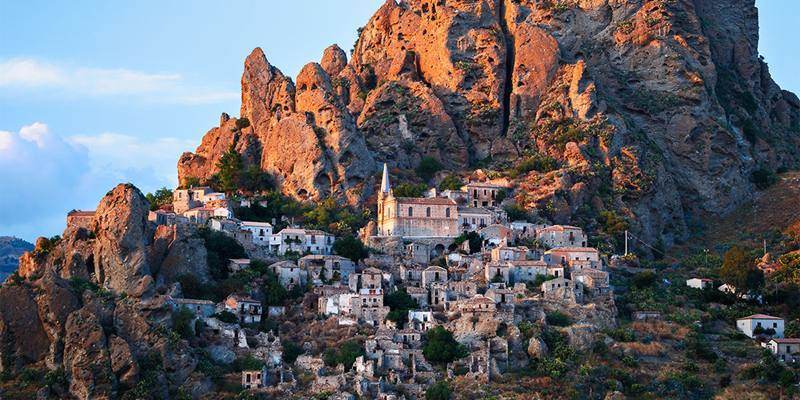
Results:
<point x="94" y="93"/>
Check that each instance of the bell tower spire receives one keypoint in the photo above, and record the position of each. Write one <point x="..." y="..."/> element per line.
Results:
<point x="385" y="185"/>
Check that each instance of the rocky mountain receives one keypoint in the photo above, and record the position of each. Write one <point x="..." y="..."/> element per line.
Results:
<point x="659" y="110"/>
<point x="11" y="249"/>
<point x="90" y="305"/>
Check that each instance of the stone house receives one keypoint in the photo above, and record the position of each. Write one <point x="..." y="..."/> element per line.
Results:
<point x="528" y="270"/>
<point x="646" y="315"/>
<point x="496" y="234"/>
<point x="524" y="229"/>
<point x="80" y="219"/>
<point x="471" y="219"/>
<point x="368" y="306"/>
<point x="477" y="304"/>
<point x="563" y="289"/>
<point x="410" y="274"/>
<point x="327" y="267"/>
<point x="247" y="309"/>
<point x="415" y="217"/>
<point x="507" y="253"/>
<point x="461" y="289"/>
<point x="596" y="281"/>
<point x="161" y="217"/>
<point x="369" y="278"/>
<point x="438" y="295"/>
<point x="238" y="264"/>
<point x="759" y="323"/>
<point x="497" y="272"/>
<point x="418" y="252"/>
<point x="482" y="194"/>
<point x="419" y="294"/>
<point x="699" y="283"/>
<point x="787" y="350"/>
<point x="200" y="308"/>
<point x="421" y="320"/>
<point x="566" y="255"/>
<point x="562" y="236"/>
<point x="433" y="274"/>
<point x="261" y="231"/>
<point x="253" y="379"/>
<point x="301" y="241"/>
<point x="289" y="274"/>
<point x="501" y="295"/>
<point x="187" y="199"/>
<point x="199" y="215"/>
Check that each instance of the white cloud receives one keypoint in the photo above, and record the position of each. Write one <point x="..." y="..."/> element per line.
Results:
<point x="29" y="74"/>
<point x="45" y="175"/>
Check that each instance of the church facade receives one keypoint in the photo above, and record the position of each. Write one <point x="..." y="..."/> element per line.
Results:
<point x="415" y="217"/>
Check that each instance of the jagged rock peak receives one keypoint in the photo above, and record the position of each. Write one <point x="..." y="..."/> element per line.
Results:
<point x="334" y="59"/>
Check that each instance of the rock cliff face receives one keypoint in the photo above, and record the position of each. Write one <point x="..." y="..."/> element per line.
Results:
<point x="657" y="109"/>
<point x="90" y="304"/>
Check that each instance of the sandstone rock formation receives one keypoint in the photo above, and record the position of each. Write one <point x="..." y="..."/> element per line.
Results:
<point x="637" y="102"/>
<point x="88" y="303"/>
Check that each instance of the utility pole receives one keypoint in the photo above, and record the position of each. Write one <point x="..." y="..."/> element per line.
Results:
<point x="626" y="242"/>
<point x="765" y="246"/>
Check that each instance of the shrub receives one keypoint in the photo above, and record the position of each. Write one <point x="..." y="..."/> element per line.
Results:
<point x="475" y="241"/>
<point x="226" y="316"/>
<point x="537" y="162"/>
<point x="410" y="190"/>
<point x="290" y="351"/>
<point x="557" y="318"/>
<point x="399" y="302"/>
<point x="220" y="248"/>
<point x="346" y="355"/>
<point x="440" y="346"/>
<point x="182" y="320"/>
<point x="438" y="391"/>
<point x="644" y="279"/>
<point x="350" y="247"/>
<point x="516" y="212"/>
<point x="247" y="363"/>
<point x="451" y="182"/>
<point x="159" y="198"/>
<point x="763" y="178"/>
<point x="242" y="123"/>
<point x="427" y="168"/>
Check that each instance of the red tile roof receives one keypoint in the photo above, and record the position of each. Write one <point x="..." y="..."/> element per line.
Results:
<point x="761" y="316"/>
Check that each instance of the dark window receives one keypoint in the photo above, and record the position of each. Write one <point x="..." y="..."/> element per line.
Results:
<point x="410" y="212"/>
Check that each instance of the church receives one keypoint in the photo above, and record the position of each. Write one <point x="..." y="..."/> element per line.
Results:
<point x="412" y="217"/>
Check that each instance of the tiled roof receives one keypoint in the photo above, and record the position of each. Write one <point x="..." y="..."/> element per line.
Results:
<point x="433" y="201"/>
<point x="761" y="316"/>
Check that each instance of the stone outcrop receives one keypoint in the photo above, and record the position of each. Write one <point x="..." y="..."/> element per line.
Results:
<point x="121" y="228"/>
<point x="648" y="100"/>
<point x="88" y="303"/>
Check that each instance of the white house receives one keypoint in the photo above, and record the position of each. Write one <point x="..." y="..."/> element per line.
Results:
<point x="758" y="323"/>
<point x="787" y="350"/>
<point x="262" y="231"/>
<point x="699" y="283"/>
<point x="301" y="241"/>
<point x="562" y="236"/>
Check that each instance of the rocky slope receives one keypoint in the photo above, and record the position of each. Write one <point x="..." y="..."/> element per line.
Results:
<point x="91" y="304"/>
<point x="11" y="249"/>
<point x="659" y="110"/>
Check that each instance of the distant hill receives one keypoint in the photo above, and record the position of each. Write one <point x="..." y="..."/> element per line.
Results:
<point x="10" y="250"/>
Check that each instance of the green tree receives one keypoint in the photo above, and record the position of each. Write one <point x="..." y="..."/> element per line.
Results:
<point x="516" y="212"/>
<point x="451" y="182"/>
<point x="427" y="168"/>
<point x="399" y="302"/>
<point x="440" y="346"/>
<point x="159" y="198"/>
<point x="290" y="351"/>
<point x="739" y="270"/>
<point x="255" y="180"/>
<point x="350" y="247"/>
<point x="475" y="241"/>
<point x="182" y="320"/>
<point x="409" y="190"/>
<point x="230" y="169"/>
<point x="438" y="391"/>
<point x="220" y="248"/>
<point x="346" y="354"/>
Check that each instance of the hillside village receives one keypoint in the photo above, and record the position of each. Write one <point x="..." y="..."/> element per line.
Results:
<point x="446" y="292"/>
